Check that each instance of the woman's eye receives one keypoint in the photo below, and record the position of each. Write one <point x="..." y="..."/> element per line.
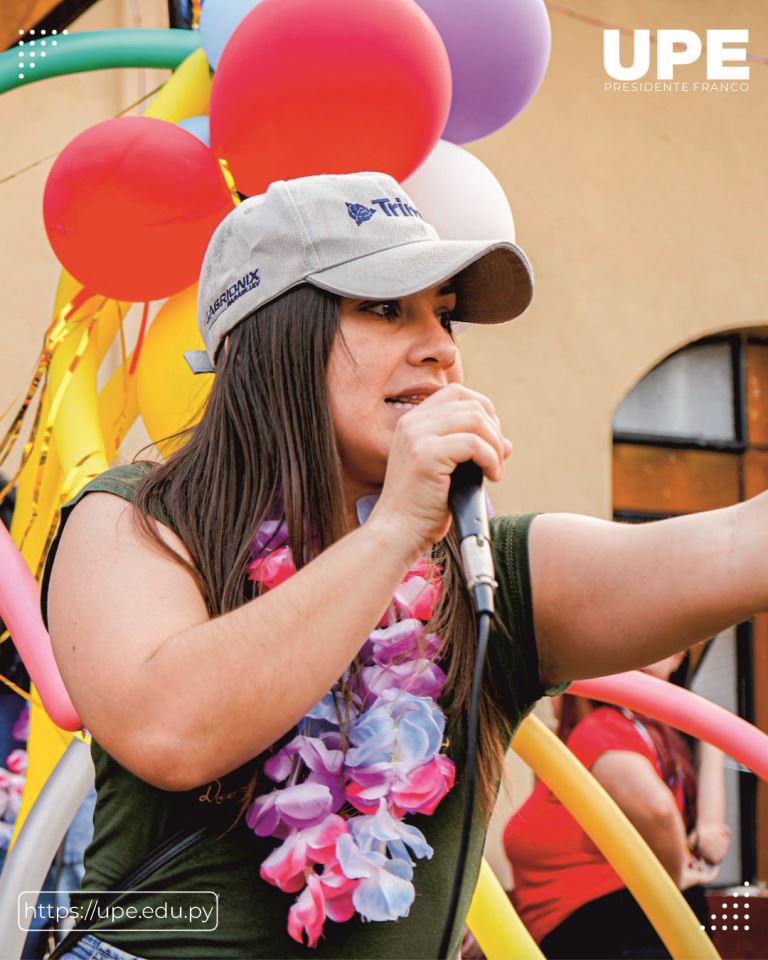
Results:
<point x="387" y="309"/>
<point x="446" y="319"/>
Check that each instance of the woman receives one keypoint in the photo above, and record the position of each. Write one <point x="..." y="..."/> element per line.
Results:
<point x="193" y="650"/>
<point x="568" y="895"/>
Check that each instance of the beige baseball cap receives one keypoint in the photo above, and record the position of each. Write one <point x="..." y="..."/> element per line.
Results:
<point x="356" y="235"/>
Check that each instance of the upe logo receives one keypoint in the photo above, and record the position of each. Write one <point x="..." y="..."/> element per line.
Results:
<point x="392" y="208"/>
<point x="677" y="48"/>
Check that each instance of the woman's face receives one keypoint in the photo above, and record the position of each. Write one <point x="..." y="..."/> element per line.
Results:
<point x="388" y="356"/>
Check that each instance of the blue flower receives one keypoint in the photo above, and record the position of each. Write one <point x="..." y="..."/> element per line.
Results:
<point x="385" y="891"/>
<point x="370" y="832"/>
<point x="398" y="729"/>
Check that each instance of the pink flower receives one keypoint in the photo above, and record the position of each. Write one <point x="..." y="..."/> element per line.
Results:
<point x="274" y="569"/>
<point x="307" y="915"/>
<point x="17" y="761"/>
<point x="286" y="866"/>
<point x="326" y="895"/>
<point x="426" y="787"/>
<point x="414" y="790"/>
<point x="338" y="891"/>
<point x="419" y="593"/>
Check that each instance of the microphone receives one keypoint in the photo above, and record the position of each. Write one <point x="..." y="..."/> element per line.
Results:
<point x="466" y="498"/>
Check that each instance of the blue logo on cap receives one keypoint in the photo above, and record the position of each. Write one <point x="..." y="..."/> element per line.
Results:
<point x="232" y="293"/>
<point x="359" y="212"/>
<point x="392" y="208"/>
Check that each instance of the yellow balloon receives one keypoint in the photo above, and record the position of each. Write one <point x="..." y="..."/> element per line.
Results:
<point x="170" y="397"/>
<point x="186" y="94"/>
<point x="616" y="838"/>
<point x="495" y="923"/>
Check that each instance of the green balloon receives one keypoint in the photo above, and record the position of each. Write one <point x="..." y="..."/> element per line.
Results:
<point x="95" y="50"/>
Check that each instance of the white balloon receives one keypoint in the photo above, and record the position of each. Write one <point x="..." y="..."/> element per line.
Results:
<point x="460" y="197"/>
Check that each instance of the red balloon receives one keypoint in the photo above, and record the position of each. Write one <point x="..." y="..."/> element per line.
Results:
<point x="329" y="86"/>
<point x="130" y="205"/>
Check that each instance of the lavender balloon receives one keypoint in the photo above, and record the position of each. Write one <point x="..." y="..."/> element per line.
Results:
<point x="499" y="50"/>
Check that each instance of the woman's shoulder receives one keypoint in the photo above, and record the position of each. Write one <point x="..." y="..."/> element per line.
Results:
<point x="605" y="728"/>
<point x="120" y="480"/>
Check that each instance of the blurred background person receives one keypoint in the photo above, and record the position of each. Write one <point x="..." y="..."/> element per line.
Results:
<point x="572" y="901"/>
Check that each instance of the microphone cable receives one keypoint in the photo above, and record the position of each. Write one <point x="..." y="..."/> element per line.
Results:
<point x="483" y="631"/>
<point x="467" y="501"/>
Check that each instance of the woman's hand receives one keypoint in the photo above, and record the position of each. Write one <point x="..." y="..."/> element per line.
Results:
<point x="697" y="872"/>
<point x="453" y="425"/>
<point x="710" y="841"/>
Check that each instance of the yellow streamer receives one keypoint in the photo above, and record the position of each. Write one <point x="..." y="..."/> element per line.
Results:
<point x="616" y="838"/>
<point x="45" y="442"/>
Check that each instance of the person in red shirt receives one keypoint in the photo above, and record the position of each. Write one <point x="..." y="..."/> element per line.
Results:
<point x="572" y="901"/>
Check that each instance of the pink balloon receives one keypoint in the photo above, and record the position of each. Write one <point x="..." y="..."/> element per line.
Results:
<point x="684" y="711"/>
<point x="20" y="609"/>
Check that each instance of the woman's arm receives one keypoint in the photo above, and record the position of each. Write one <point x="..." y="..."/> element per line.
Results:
<point x="178" y="698"/>
<point x="635" y="786"/>
<point x="711" y="837"/>
<point x="610" y="597"/>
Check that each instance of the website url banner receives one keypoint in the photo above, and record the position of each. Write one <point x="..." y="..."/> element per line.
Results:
<point x="168" y="911"/>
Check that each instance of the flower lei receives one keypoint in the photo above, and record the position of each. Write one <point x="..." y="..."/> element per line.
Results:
<point x="343" y="795"/>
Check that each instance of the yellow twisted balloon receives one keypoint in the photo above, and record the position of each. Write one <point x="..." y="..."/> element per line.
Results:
<point x="616" y="838"/>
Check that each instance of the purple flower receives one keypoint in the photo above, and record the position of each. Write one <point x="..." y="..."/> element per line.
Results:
<point x="270" y="535"/>
<point x="422" y="678"/>
<point x="302" y="805"/>
<point x="313" y="751"/>
<point x="323" y="758"/>
<point x="400" y="640"/>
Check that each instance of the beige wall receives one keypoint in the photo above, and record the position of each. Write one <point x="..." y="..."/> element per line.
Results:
<point x="645" y="219"/>
<point x="644" y="216"/>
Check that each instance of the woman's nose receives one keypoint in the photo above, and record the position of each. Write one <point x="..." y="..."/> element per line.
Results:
<point x="434" y="343"/>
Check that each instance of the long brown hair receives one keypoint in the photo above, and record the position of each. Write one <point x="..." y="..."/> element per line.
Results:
<point x="264" y="448"/>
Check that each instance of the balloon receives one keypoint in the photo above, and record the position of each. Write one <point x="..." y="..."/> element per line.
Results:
<point x="20" y="610"/>
<point x="130" y="205"/>
<point x="186" y="94"/>
<point x="168" y="393"/>
<point x="499" y="53"/>
<point x="335" y="87"/>
<point x="683" y="710"/>
<point x="495" y="924"/>
<point x="478" y="207"/>
<point x="198" y="127"/>
<point x="615" y="837"/>
<point x="100" y="50"/>
<point x="218" y="20"/>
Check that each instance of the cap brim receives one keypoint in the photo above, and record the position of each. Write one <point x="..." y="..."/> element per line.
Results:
<point x="494" y="280"/>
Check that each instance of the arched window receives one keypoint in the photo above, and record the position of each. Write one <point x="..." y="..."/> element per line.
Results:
<point x="693" y="435"/>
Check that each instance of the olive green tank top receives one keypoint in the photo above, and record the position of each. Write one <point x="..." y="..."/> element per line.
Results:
<point x="132" y="817"/>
